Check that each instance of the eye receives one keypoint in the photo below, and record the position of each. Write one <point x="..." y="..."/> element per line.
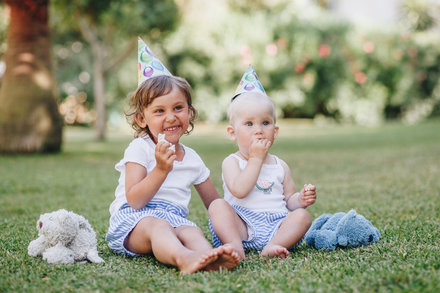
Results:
<point x="178" y="108"/>
<point x="249" y="123"/>
<point x="158" y="111"/>
<point x="266" y="123"/>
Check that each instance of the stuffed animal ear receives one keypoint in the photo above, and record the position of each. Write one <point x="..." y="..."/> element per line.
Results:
<point x="84" y="224"/>
<point x="318" y="222"/>
<point x="346" y="227"/>
<point x="352" y="213"/>
<point x="332" y="223"/>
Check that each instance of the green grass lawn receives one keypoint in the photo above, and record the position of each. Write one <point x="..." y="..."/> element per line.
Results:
<point x="391" y="175"/>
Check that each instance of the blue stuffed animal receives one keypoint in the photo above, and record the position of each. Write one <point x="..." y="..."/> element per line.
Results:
<point x="341" y="230"/>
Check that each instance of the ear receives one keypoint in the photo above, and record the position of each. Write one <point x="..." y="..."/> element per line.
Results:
<point x="140" y="120"/>
<point x="231" y="132"/>
<point x="276" y="131"/>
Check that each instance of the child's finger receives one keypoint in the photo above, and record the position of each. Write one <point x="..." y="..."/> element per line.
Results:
<point x="172" y="158"/>
<point x="310" y="192"/>
<point x="162" y="146"/>
<point x="308" y="187"/>
<point x="309" y="196"/>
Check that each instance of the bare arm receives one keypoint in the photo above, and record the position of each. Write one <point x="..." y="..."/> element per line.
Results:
<point x="241" y="182"/>
<point x="207" y="192"/>
<point x="141" y="187"/>
<point x="295" y="199"/>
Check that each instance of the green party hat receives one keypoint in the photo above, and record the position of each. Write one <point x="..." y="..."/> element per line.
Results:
<point x="148" y="64"/>
<point x="249" y="83"/>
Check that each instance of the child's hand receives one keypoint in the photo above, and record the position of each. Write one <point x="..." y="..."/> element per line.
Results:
<point x="165" y="157"/>
<point x="259" y="148"/>
<point x="307" y="195"/>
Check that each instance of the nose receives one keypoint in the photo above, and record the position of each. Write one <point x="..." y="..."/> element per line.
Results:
<point x="170" y="116"/>
<point x="258" y="129"/>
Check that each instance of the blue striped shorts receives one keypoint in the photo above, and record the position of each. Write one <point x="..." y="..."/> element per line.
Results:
<point x="124" y="221"/>
<point x="261" y="226"/>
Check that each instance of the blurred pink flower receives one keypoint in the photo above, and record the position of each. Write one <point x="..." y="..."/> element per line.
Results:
<point x="272" y="49"/>
<point x="368" y="47"/>
<point x="245" y="50"/>
<point x="281" y="43"/>
<point x="360" y="77"/>
<point x="300" y="67"/>
<point x="324" y="50"/>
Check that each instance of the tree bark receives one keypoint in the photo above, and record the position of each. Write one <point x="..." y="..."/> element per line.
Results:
<point x="88" y="30"/>
<point x="29" y="118"/>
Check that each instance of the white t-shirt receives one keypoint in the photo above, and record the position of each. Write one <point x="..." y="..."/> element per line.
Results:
<point x="267" y="194"/>
<point x="176" y="187"/>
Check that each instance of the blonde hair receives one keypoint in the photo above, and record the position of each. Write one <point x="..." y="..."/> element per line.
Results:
<point x="250" y="96"/>
<point x="151" y="89"/>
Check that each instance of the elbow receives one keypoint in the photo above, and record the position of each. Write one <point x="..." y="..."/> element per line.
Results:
<point x="134" y="204"/>
<point x="239" y="193"/>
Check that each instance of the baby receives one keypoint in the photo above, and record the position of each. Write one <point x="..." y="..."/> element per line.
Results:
<point x="258" y="187"/>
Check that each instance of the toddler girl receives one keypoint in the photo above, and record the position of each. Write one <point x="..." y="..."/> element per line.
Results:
<point x="151" y="205"/>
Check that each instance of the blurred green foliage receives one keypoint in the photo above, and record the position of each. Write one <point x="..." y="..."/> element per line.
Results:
<point x="87" y="30"/>
<point x="311" y="63"/>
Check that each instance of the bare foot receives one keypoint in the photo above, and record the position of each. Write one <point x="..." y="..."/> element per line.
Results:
<point x="275" y="250"/>
<point x="238" y="249"/>
<point x="196" y="261"/>
<point x="227" y="259"/>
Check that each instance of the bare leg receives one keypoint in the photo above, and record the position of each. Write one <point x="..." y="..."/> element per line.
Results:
<point x="228" y="226"/>
<point x="193" y="238"/>
<point x="157" y="236"/>
<point x="291" y="230"/>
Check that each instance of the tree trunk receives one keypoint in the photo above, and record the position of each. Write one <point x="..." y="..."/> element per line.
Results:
<point x="89" y="31"/>
<point x="29" y="117"/>
<point x="98" y="91"/>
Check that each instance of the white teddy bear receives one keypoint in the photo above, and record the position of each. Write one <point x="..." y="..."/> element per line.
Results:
<point x="64" y="237"/>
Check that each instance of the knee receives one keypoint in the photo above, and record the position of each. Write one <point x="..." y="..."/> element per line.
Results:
<point x="196" y="231"/>
<point x="303" y="217"/>
<point x="159" y="224"/>
<point x="189" y="234"/>
<point x="217" y="206"/>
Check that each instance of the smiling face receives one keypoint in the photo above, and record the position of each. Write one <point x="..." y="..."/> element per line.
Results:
<point x="252" y="117"/>
<point x="168" y="114"/>
<point x="149" y="91"/>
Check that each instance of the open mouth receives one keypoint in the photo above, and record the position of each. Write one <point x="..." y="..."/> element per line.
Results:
<point x="172" y="129"/>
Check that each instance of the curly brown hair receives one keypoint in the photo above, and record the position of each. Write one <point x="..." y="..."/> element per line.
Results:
<point x="153" y="88"/>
